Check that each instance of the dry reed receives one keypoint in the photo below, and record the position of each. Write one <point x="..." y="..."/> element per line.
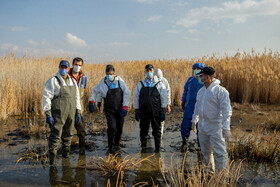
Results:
<point x="191" y="173"/>
<point x="260" y="145"/>
<point x="249" y="78"/>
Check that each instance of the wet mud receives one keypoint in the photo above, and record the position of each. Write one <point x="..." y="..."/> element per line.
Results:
<point x="77" y="171"/>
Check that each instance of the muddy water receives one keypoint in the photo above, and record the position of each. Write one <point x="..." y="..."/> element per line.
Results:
<point x="73" y="172"/>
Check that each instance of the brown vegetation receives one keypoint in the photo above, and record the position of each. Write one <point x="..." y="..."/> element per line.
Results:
<point x="250" y="77"/>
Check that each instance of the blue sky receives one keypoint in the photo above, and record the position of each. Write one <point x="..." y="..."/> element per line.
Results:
<point x="105" y="30"/>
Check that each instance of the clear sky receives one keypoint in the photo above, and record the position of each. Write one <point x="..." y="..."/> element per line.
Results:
<point x="105" y="30"/>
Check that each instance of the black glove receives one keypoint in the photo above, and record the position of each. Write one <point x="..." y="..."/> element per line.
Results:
<point x="137" y="114"/>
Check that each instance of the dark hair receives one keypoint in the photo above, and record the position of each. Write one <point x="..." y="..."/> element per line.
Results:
<point x="109" y="68"/>
<point x="78" y="59"/>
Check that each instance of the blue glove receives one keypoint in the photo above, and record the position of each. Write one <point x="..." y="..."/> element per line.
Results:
<point x="162" y="117"/>
<point x="91" y="107"/>
<point x="50" y="120"/>
<point x="124" y="112"/>
<point x="99" y="105"/>
<point x="78" y="118"/>
<point x="137" y="116"/>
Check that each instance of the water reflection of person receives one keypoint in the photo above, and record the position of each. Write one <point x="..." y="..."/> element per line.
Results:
<point x="67" y="173"/>
<point x="150" y="170"/>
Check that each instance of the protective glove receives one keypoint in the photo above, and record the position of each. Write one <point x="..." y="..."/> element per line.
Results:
<point x="50" y="120"/>
<point x="162" y="117"/>
<point x="227" y="134"/>
<point x="194" y="127"/>
<point x="137" y="115"/>
<point x="124" y="111"/>
<point x="91" y="106"/>
<point x="183" y="105"/>
<point x="99" y="105"/>
<point x="78" y="118"/>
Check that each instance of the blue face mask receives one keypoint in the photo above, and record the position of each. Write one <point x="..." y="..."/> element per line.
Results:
<point x="63" y="72"/>
<point x="196" y="71"/>
<point x="149" y="74"/>
<point x="199" y="80"/>
<point x="109" y="77"/>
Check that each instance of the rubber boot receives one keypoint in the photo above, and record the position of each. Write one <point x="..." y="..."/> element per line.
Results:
<point x="157" y="145"/>
<point x="52" y="159"/>
<point x="82" y="145"/>
<point x="184" y="143"/>
<point x="66" y="152"/>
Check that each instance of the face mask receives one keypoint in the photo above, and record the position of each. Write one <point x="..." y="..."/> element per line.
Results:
<point x="109" y="77"/>
<point x="199" y="80"/>
<point x="77" y="68"/>
<point x="149" y="74"/>
<point x="63" y="72"/>
<point x="196" y="71"/>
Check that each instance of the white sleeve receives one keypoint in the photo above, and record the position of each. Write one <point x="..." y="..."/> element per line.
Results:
<point x="99" y="98"/>
<point x="126" y="94"/>
<point x="136" y="96"/>
<point x="78" y="100"/>
<point x="168" y="90"/>
<point x="163" y="94"/>
<point x="48" y="94"/>
<point x="93" y="94"/>
<point x="225" y="107"/>
<point x="195" y="117"/>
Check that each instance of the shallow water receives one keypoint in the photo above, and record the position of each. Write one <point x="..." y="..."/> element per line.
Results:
<point x="73" y="172"/>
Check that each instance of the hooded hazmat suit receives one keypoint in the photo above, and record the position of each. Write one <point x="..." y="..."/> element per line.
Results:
<point x="213" y="112"/>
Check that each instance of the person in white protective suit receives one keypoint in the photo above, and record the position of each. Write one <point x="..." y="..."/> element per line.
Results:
<point x="212" y="113"/>
<point x="150" y="102"/>
<point x="115" y="93"/>
<point x="159" y="74"/>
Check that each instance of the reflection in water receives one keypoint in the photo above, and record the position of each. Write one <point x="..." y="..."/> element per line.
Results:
<point x="150" y="170"/>
<point x="68" y="177"/>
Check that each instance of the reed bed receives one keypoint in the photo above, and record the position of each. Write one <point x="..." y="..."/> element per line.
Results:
<point x="190" y="173"/>
<point x="260" y="145"/>
<point x="112" y="165"/>
<point x="249" y="77"/>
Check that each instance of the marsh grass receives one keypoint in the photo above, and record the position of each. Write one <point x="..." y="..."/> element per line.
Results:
<point x="22" y="86"/>
<point x="194" y="173"/>
<point x="33" y="156"/>
<point x="259" y="145"/>
<point x="112" y="164"/>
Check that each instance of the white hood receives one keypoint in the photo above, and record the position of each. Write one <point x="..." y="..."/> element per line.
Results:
<point x="158" y="73"/>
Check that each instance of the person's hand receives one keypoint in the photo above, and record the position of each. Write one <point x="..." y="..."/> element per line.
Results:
<point x="124" y="111"/>
<point x="137" y="115"/>
<point x="168" y="109"/>
<point x="183" y="105"/>
<point x="78" y="118"/>
<point x="91" y="106"/>
<point x="50" y="121"/>
<point x="99" y="105"/>
<point x="227" y="134"/>
<point x="162" y="117"/>
<point x="194" y="127"/>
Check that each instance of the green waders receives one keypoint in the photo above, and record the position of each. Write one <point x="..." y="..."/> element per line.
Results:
<point x="63" y="111"/>
<point x="80" y="127"/>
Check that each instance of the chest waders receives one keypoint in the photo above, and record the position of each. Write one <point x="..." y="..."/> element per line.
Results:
<point x="113" y="108"/>
<point x="150" y="110"/>
<point x="80" y="127"/>
<point x="63" y="111"/>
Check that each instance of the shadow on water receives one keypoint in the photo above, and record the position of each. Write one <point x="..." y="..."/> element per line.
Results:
<point x="75" y="171"/>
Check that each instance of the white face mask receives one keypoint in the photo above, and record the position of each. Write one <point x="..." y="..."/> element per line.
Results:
<point x="77" y="68"/>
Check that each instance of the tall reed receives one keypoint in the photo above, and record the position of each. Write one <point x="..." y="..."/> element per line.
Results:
<point x="249" y="77"/>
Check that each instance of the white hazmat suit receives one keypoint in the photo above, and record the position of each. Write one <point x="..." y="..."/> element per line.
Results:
<point x="213" y="112"/>
<point x="159" y="74"/>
